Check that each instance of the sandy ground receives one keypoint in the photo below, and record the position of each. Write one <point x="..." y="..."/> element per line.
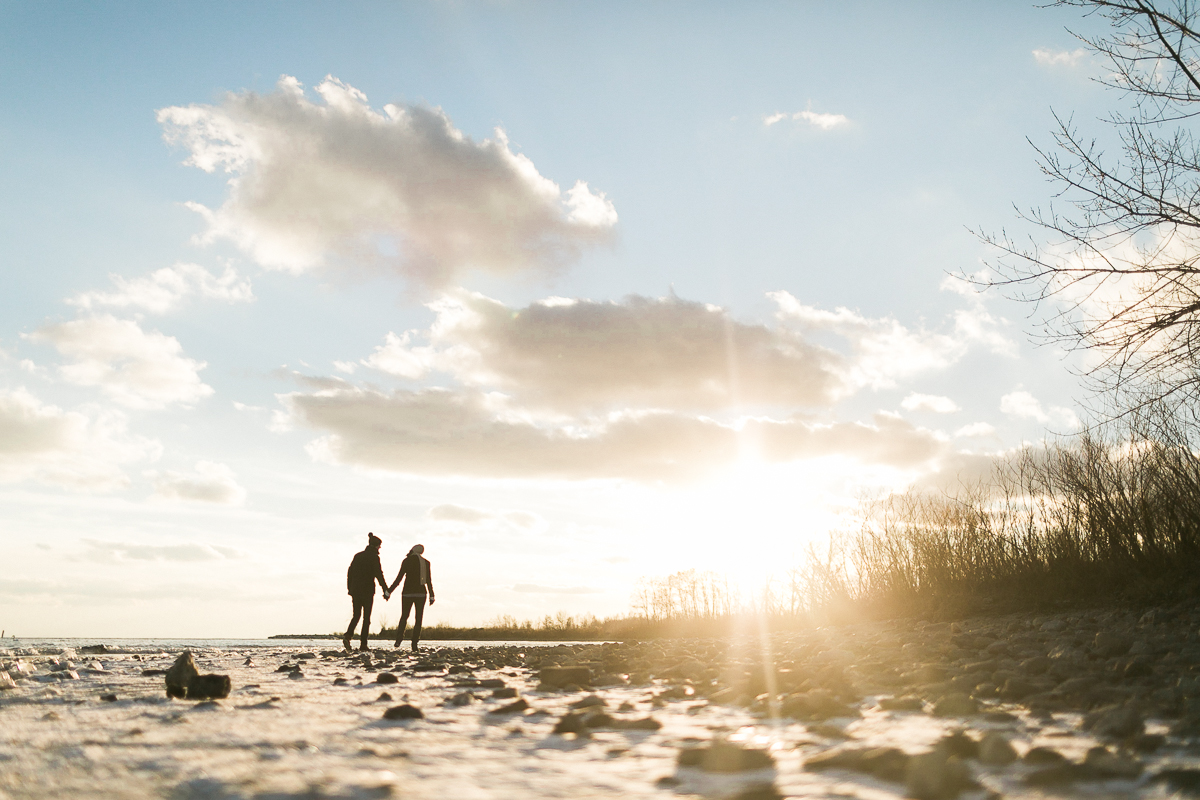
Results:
<point x="305" y="723"/>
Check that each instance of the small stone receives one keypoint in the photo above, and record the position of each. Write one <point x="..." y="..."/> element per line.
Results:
<point x="721" y="756"/>
<point x="591" y="701"/>
<point x="1117" y="722"/>
<point x="959" y="744"/>
<point x="405" y="711"/>
<point x="1183" y="781"/>
<point x="571" y="723"/>
<point x="94" y="649"/>
<point x="249" y="662"/>
<point x="512" y="708"/>
<point x="995" y="750"/>
<point x="1112" y="765"/>
<point x="560" y="677"/>
<point x="180" y="675"/>
<point x="386" y="677"/>
<point x="906" y="703"/>
<point x="340" y="681"/>
<point x="507" y="693"/>
<point x="208" y="687"/>
<point x="936" y="776"/>
<point x="955" y="705"/>
<point x="383" y="697"/>
<point x="296" y="675"/>
<point x="461" y="699"/>
<point x="886" y="763"/>
<point x="1043" y="756"/>
<point x="108" y="698"/>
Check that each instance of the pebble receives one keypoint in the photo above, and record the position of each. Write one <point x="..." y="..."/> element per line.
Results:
<point x="401" y="712"/>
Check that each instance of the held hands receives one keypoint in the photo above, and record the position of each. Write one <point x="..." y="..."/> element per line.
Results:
<point x="432" y="599"/>
<point x="386" y="595"/>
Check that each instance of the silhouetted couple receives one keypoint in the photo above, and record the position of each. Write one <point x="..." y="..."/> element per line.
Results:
<point x="365" y="570"/>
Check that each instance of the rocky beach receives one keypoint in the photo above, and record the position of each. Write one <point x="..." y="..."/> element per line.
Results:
<point x="1091" y="703"/>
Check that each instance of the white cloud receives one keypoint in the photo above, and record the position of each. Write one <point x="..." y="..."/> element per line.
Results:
<point x="975" y="429"/>
<point x="73" y="449"/>
<point x="135" y="368"/>
<point x="929" y="402"/>
<point x="209" y="483"/>
<point x="1057" y="58"/>
<point x="115" y="552"/>
<point x="1023" y="405"/>
<point x="817" y="120"/>
<point x="438" y="432"/>
<point x="164" y="289"/>
<point x="338" y="182"/>
<point x="882" y="350"/>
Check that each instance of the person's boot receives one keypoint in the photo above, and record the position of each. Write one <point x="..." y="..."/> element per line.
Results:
<point x="346" y="642"/>
<point x="414" y="647"/>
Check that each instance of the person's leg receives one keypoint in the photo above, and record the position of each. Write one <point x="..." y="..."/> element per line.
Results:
<point x="366" y="628"/>
<point x="353" y="621"/>
<point x="406" y="603"/>
<point x="420" y="608"/>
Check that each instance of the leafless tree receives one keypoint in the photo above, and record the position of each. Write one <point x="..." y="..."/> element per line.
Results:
<point x="1116" y="269"/>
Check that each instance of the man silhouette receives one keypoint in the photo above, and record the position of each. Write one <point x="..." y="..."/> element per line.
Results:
<point x="414" y="570"/>
<point x="364" y="571"/>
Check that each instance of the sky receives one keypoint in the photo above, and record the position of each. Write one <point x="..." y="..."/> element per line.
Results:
<point x="573" y="294"/>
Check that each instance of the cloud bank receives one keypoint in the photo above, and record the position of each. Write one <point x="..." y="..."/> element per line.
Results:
<point x="337" y="182"/>
<point x="470" y="434"/>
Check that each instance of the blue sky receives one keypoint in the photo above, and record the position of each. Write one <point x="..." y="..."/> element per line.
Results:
<point x="404" y="321"/>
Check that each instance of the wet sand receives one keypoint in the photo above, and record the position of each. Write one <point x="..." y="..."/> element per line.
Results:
<point x="1093" y="704"/>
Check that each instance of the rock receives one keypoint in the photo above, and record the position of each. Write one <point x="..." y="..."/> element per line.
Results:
<point x="249" y="662"/>
<point x="721" y="756"/>
<point x="1043" y="756"/>
<point x="640" y="724"/>
<point x="208" y="687"/>
<point x="955" y="705"/>
<point x="1112" y="765"/>
<point x="591" y="701"/>
<point x="906" y="703"/>
<point x="558" y="677"/>
<point x="405" y="711"/>
<point x="384" y="697"/>
<point x="571" y="723"/>
<point x="886" y="763"/>
<point x="995" y="750"/>
<point x="386" y="677"/>
<point x="490" y="683"/>
<point x="108" y="698"/>
<point x="1147" y="742"/>
<point x="959" y="744"/>
<point x="1183" y="781"/>
<point x="461" y="699"/>
<point x="94" y="649"/>
<point x="936" y="775"/>
<point x="180" y="675"/>
<point x="296" y="675"/>
<point x="512" y="708"/>
<point x="507" y="693"/>
<point x="817" y="704"/>
<point x="1109" y="644"/>
<point x="340" y="681"/>
<point x="1117" y="722"/>
<point x="1061" y="775"/>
